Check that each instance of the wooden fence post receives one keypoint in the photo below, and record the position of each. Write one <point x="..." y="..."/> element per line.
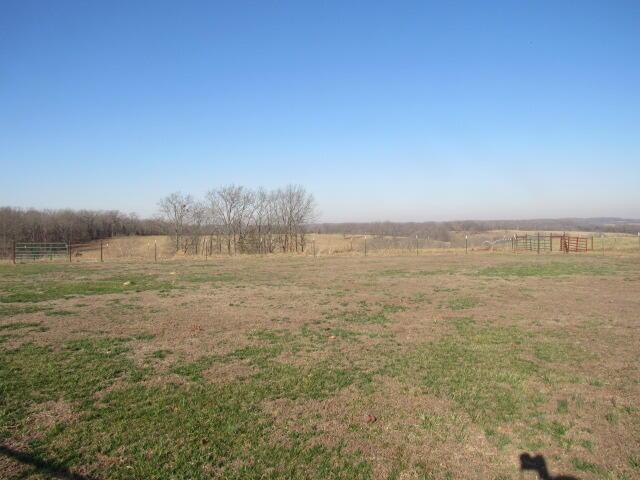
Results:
<point x="466" y="244"/>
<point x="155" y="251"/>
<point x="14" y="252"/>
<point x="365" y="245"/>
<point x="538" y="243"/>
<point x="69" y="251"/>
<point x="101" y="258"/>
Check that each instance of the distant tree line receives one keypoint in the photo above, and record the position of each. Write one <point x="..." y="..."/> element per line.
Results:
<point x="432" y="230"/>
<point x="442" y="230"/>
<point x="75" y="226"/>
<point x="235" y="219"/>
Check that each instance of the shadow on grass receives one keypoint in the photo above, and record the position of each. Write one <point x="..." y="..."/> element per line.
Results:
<point x="43" y="466"/>
<point x="539" y="465"/>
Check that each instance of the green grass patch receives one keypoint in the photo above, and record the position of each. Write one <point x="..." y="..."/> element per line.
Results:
<point x="559" y="350"/>
<point x="562" y="406"/>
<point x="52" y="290"/>
<point x="194" y="370"/>
<point x="202" y="277"/>
<point x="554" y="429"/>
<point x="5" y="337"/>
<point x="482" y="369"/>
<point x="410" y="273"/>
<point x="20" y="325"/>
<point x="318" y="338"/>
<point x="547" y="269"/>
<point x="588" y="467"/>
<point x="58" y="313"/>
<point x="28" y="269"/>
<point x="194" y="430"/>
<point x="33" y="374"/>
<point x="391" y="308"/>
<point x="160" y="354"/>
<point x="199" y="432"/>
<point x="12" y="310"/>
<point x="462" y="303"/>
<point x="362" y="316"/>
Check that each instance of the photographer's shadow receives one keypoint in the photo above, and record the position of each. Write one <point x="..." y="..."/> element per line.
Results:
<point x="539" y="465"/>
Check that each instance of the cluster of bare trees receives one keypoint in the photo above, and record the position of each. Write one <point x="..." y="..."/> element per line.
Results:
<point x="235" y="219"/>
<point x="74" y="226"/>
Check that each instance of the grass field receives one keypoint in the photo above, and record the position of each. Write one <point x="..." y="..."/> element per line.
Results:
<point x="438" y="366"/>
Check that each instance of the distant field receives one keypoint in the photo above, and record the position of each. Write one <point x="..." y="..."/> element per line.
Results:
<point x="428" y="366"/>
<point x="146" y="247"/>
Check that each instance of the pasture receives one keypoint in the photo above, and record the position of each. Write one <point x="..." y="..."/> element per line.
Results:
<point x="433" y="366"/>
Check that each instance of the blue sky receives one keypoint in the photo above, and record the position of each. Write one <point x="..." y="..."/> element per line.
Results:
<point x="385" y="111"/>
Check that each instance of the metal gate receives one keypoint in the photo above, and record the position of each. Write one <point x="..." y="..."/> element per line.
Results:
<point x="573" y="244"/>
<point x="534" y="243"/>
<point x="40" y="251"/>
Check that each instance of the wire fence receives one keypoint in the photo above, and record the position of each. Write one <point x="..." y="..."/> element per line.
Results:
<point x="163" y="248"/>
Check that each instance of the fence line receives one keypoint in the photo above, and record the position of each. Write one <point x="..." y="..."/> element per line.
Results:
<point x="163" y="248"/>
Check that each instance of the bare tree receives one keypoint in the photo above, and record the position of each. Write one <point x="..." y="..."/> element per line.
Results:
<point x="175" y="208"/>
<point x="232" y="207"/>
<point x="295" y="208"/>
<point x="264" y="220"/>
<point x="197" y="218"/>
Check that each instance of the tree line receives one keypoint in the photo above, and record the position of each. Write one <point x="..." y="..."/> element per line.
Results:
<point x="71" y="226"/>
<point x="235" y="219"/>
<point x="442" y="230"/>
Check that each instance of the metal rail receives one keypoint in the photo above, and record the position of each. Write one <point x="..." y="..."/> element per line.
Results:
<point x="24" y="251"/>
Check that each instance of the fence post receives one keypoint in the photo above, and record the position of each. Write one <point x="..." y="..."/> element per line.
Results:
<point x="365" y="244"/>
<point x="538" y="243"/>
<point x="466" y="244"/>
<point x="14" y="252"/>
<point x="155" y="251"/>
<point x="416" y="245"/>
<point x="101" y="259"/>
<point x="69" y="251"/>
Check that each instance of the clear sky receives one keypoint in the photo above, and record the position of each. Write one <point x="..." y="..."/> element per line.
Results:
<point x="385" y="111"/>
